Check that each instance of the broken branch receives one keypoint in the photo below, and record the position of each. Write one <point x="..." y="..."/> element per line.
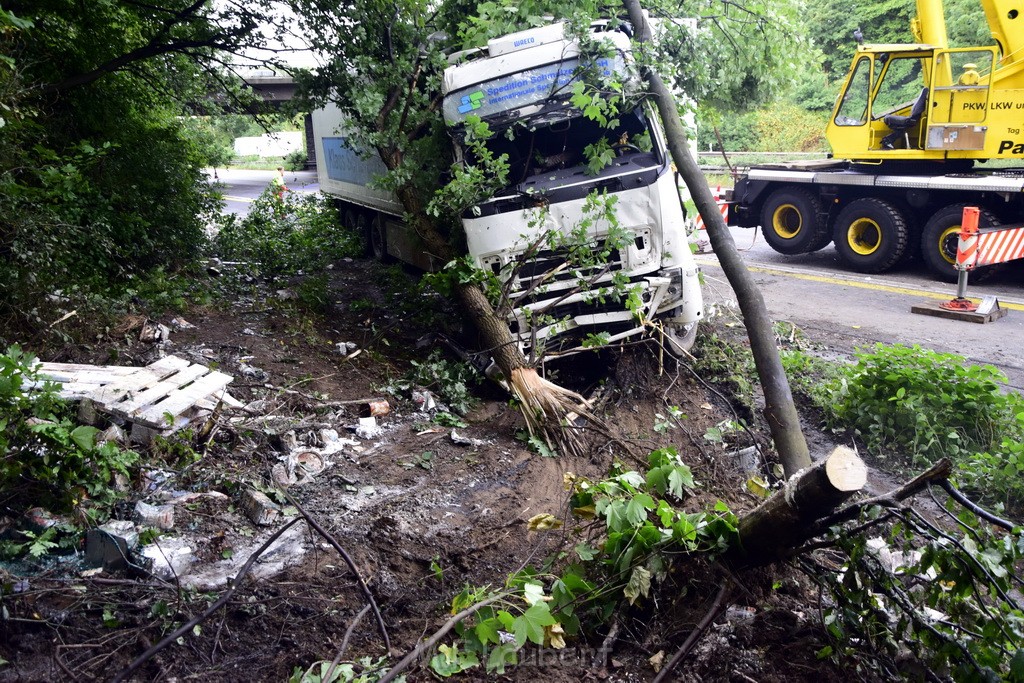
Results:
<point x="351" y="565"/>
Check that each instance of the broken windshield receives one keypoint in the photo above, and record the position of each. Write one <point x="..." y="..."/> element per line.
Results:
<point x="550" y="143"/>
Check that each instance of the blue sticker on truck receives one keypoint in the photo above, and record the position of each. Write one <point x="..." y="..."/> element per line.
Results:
<point x="345" y="165"/>
<point x="520" y="89"/>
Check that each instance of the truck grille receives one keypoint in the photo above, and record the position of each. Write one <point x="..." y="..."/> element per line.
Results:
<point x="556" y="266"/>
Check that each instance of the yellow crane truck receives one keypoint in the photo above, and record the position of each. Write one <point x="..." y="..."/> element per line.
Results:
<point x="910" y="134"/>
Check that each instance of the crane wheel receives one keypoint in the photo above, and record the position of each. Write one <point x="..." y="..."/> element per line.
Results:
<point x="939" y="241"/>
<point x="790" y="223"/>
<point x="870" y="235"/>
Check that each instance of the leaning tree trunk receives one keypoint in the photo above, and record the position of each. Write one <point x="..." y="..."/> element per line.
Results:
<point x="779" y="410"/>
<point x="550" y="411"/>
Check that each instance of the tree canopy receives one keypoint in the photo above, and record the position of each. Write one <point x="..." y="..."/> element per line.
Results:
<point x="98" y="180"/>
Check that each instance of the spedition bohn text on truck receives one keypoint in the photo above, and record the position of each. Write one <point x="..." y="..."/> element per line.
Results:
<point x="520" y="86"/>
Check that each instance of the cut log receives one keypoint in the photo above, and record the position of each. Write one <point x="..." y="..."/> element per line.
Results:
<point x="787" y="518"/>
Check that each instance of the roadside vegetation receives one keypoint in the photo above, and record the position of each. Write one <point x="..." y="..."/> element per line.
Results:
<point x="910" y="407"/>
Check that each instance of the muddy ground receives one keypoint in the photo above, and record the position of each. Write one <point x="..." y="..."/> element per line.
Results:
<point x="421" y="511"/>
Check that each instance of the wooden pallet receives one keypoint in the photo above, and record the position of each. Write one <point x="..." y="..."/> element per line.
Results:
<point x="157" y="399"/>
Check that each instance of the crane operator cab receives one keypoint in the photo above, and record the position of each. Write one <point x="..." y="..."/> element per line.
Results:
<point x="914" y="103"/>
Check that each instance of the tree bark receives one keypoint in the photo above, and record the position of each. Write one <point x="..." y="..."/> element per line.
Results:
<point x="780" y="411"/>
<point x="787" y="518"/>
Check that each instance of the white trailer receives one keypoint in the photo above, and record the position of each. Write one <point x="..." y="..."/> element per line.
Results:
<point x="520" y="85"/>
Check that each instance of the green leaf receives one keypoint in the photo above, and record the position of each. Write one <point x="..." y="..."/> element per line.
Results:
<point x="530" y="624"/>
<point x="1017" y="666"/>
<point x="586" y="551"/>
<point x="487" y="631"/>
<point x="637" y="507"/>
<point x="639" y="585"/>
<point x="84" y="437"/>
<point x="680" y="479"/>
<point x="449" y="660"/>
<point x="502" y="656"/>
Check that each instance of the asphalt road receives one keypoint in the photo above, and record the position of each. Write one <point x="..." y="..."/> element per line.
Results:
<point x="241" y="187"/>
<point x="847" y="310"/>
<point x="832" y="305"/>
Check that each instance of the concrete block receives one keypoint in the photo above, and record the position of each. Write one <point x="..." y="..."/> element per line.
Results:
<point x="259" y="508"/>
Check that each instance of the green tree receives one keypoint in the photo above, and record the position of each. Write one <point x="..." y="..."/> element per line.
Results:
<point x="98" y="181"/>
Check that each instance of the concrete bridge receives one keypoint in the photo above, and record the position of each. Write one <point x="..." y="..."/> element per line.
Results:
<point x="276" y="89"/>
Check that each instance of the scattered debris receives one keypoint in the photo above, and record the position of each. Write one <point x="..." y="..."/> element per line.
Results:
<point x="109" y="546"/>
<point x="739" y="614"/>
<point x="297" y="468"/>
<point x="377" y="408"/>
<point x="179" y="324"/>
<point x="368" y="428"/>
<point x="153" y="332"/>
<point x="345" y="348"/>
<point x="167" y="558"/>
<point x="259" y="508"/>
<point x="424" y="401"/>
<point x="748" y="460"/>
<point x="461" y="440"/>
<point x="158" y="516"/>
<point x="252" y="373"/>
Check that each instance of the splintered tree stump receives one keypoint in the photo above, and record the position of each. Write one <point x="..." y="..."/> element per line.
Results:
<point x="786" y="519"/>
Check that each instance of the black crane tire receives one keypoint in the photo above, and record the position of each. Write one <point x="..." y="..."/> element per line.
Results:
<point x="939" y="240"/>
<point x="870" y="235"/>
<point x="790" y="223"/>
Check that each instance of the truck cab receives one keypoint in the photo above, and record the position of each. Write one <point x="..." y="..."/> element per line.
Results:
<point x="521" y="86"/>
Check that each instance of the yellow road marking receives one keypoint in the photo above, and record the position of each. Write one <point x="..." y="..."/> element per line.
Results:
<point x="232" y="198"/>
<point x="859" y="284"/>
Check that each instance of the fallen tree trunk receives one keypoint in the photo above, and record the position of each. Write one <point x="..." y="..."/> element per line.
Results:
<point x="779" y="410"/>
<point x="787" y="518"/>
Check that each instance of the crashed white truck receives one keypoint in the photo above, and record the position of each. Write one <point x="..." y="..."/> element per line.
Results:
<point x="520" y="85"/>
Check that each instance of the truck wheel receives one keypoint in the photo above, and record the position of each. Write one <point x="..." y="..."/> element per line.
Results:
<point x="870" y="235"/>
<point x="789" y="222"/>
<point x="679" y="340"/>
<point x="939" y="242"/>
<point x="376" y="236"/>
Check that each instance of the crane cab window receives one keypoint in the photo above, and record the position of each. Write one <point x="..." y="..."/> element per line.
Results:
<point x="900" y="85"/>
<point x="853" y="109"/>
<point x="961" y="85"/>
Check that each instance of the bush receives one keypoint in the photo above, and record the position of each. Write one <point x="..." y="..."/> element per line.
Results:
<point x="921" y="405"/>
<point x="45" y="459"/>
<point x="925" y="403"/>
<point x="289" y="235"/>
<point x="296" y="161"/>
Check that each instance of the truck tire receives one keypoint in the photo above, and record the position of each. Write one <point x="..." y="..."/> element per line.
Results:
<point x="939" y="242"/>
<point x="376" y="236"/>
<point x="789" y="221"/>
<point x="870" y="235"/>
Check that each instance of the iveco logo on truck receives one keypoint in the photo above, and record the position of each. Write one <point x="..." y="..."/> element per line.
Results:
<point x="523" y="41"/>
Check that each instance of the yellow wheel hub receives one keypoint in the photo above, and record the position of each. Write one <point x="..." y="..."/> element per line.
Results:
<point x="948" y="241"/>
<point x="864" y="236"/>
<point x="787" y="221"/>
